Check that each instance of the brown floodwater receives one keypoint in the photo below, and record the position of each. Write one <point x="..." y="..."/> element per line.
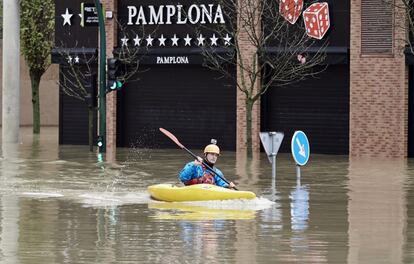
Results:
<point x="60" y="205"/>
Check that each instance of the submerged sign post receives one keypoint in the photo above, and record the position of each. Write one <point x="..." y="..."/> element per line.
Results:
<point x="271" y="142"/>
<point x="300" y="150"/>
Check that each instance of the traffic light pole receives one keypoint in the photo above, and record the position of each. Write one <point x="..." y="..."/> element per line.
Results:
<point x="102" y="77"/>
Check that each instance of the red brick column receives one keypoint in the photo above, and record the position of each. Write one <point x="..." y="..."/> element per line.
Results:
<point x="378" y="95"/>
<point x="111" y="41"/>
<point x="247" y="51"/>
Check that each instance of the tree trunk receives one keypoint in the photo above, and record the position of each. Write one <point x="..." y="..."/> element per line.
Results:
<point x="249" y="109"/>
<point x="35" y="77"/>
<point x="90" y="127"/>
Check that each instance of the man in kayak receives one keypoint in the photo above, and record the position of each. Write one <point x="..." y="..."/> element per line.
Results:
<point x="196" y="172"/>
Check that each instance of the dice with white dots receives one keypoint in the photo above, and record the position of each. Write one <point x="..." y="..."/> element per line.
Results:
<point x="291" y="9"/>
<point x="316" y="18"/>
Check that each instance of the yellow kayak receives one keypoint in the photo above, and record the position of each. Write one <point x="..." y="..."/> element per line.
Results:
<point x="196" y="192"/>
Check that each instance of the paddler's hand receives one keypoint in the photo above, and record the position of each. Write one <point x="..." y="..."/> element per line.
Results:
<point x="232" y="186"/>
<point x="198" y="161"/>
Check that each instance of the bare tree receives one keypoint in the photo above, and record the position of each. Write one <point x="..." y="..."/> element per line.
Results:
<point x="279" y="53"/>
<point x="78" y="80"/>
<point x="80" y="77"/>
<point x="408" y="5"/>
<point x="406" y="8"/>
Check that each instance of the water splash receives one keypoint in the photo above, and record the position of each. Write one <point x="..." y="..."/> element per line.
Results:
<point x="40" y="195"/>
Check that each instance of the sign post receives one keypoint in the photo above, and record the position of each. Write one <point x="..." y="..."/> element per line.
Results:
<point x="300" y="150"/>
<point x="271" y="142"/>
<point x="102" y="77"/>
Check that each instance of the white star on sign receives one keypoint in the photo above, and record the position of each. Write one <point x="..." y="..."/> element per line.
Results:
<point x="162" y="40"/>
<point x="77" y="59"/>
<point x="187" y="40"/>
<point x="214" y="40"/>
<point x="174" y="40"/>
<point x="66" y="17"/>
<point x="70" y="59"/>
<point x="200" y="40"/>
<point x="137" y="40"/>
<point x="124" y="41"/>
<point x="149" y="40"/>
<point x="227" y="40"/>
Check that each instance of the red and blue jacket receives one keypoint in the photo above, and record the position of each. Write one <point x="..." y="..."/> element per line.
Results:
<point x="196" y="174"/>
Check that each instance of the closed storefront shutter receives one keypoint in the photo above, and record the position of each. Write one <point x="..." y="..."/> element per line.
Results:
<point x="318" y="106"/>
<point x="73" y="115"/>
<point x="192" y="102"/>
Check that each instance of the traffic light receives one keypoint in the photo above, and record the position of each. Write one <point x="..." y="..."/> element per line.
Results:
<point x="113" y="83"/>
<point x="113" y="65"/>
<point x="91" y="90"/>
<point x="100" y="143"/>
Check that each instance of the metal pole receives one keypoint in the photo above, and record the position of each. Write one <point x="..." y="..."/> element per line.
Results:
<point x="11" y="71"/>
<point x="102" y="76"/>
<point x="274" y="166"/>
<point x="273" y="137"/>
<point x="297" y="173"/>
<point x="273" y="176"/>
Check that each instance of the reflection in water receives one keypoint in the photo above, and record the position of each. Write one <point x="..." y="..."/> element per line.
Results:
<point x="200" y="239"/>
<point x="272" y="217"/>
<point x="107" y="221"/>
<point x="376" y="211"/>
<point x="186" y="211"/>
<point x="299" y="242"/>
<point x="299" y="210"/>
<point x="299" y="215"/>
<point x="10" y="215"/>
<point x="247" y="169"/>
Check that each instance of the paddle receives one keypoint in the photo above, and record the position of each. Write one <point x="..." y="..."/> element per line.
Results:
<point x="173" y="138"/>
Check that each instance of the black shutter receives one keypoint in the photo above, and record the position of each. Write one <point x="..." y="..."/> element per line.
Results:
<point x="317" y="106"/>
<point x="194" y="103"/>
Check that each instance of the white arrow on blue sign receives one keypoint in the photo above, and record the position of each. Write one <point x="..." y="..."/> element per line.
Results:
<point x="300" y="148"/>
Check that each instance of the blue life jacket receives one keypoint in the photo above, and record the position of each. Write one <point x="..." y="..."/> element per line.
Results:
<point x="196" y="174"/>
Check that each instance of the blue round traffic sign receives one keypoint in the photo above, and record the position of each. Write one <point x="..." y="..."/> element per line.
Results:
<point x="300" y="148"/>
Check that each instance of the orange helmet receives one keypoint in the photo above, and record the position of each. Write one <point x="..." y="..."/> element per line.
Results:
<point x="212" y="148"/>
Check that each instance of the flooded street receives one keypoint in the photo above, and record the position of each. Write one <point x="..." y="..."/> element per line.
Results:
<point x="60" y="205"/>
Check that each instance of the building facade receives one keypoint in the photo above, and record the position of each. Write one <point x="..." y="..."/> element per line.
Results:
<point x="359" y="105"/>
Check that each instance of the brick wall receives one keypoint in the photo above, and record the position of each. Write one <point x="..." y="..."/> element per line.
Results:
<point x="111" y="42"/>
<point x="247" y="51"/>
<point x="378" y="95"/>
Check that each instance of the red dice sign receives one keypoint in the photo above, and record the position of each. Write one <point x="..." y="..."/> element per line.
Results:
<point x="316" y="18"/>
<point x="291" y="9"/>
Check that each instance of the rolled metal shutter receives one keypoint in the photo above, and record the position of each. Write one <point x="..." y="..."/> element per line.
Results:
<point x="377" y="26"/>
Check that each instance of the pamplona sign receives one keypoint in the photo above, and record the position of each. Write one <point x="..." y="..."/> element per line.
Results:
<point x="172" y="60"/>
<point x="164" y="25"/>
<point x="178" y="14"/>
<point x="183" y="25"/>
